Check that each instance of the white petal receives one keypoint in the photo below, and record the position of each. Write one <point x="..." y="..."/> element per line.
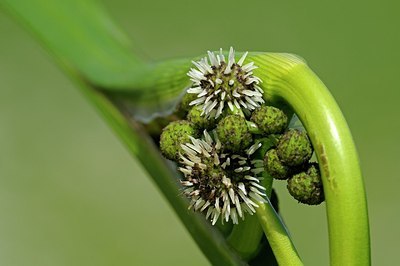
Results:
<point x="221" y="55"/>
<point x="203" y="93"/>
<point x="205" y="206"/>
<point x="235" y="93"/>
<point x="223" y="94"/>
<point x="236" y="104"/>
<point x="213" y="60"/>
<point x="214" y="103"/>
<point x="234" y="216"/>
<point x="197" y="101"/>
<point x="194" y="90"/>
<point x="247" y="66"/>
<point x="241" y="60"/>
<point x="219" y="111"/>
<point x="230" y="105"/>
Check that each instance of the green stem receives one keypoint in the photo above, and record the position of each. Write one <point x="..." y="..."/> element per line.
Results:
<point x="277" y="235"/>
<point x="245" y="237"/>
<point x="274" y="229"/>
<point x="288" y="79"/>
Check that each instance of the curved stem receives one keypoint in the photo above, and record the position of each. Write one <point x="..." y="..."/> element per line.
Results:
<point x="287" y="78"/>
<point x="274" y="229"/>
<point x="277" y="235"/>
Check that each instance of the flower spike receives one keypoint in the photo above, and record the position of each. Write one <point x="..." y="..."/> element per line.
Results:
<point x="219" y="184"/>
<point x="225" y="84"/>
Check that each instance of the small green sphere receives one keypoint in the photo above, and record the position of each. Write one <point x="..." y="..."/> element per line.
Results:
<point x="269" y="119"/>
<point x="233" y="133"/>
<point x="274" y="166"/>
<point x="306" y="187"/>
<point x="200" y="121"/>
<point x="294" y="148"/>
<point x="173" y="135"/>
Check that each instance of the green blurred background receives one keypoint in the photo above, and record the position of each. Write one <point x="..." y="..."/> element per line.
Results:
<point x="70" y="194"/>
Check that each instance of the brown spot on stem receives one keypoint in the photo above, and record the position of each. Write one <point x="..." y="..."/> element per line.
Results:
<point x="324" y="165"/>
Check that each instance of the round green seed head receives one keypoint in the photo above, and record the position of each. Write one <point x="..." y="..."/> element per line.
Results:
<point x="294" y="148"/>
<point x="200" y="121"/>
<point x="274" y="166"/>
<point x="233" y="133"/>
<point x="173" y="135"/>
<point x="269" y="119"/>
<point x="306" y="187"/>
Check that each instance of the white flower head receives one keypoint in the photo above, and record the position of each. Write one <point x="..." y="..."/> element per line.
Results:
<point x="220" y="184"/>
<point x="225" y="83"/>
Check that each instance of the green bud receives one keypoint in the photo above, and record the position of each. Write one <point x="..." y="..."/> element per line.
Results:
<point x="294" y="148"/>
<point x="184" y="107"/>
<point x="274" y="166"/>
<point x="200" y="121"/>
<point x="306" y="187"/>
<point x="173" y="135"/>
<point x="233" y="133"/>
<point x="270" y="120"/>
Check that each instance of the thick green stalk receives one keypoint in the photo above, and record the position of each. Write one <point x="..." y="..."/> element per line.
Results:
<point x="287" y="78"/>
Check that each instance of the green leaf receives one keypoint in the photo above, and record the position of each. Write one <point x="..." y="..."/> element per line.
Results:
<point x="81" y="35"/>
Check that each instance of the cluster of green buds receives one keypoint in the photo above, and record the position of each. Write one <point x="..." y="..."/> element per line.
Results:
<point x="223" y="120"/>
<point x="290" y="160"/>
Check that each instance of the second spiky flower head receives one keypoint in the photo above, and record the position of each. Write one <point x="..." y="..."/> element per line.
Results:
<point x="224" y="84"/>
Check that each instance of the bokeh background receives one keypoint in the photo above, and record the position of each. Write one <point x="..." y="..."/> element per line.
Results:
<point x="70" y="194"/>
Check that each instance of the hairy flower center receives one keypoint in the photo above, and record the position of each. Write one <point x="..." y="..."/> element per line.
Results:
<point x="220" y="183"/>
<point x="226" y="85"/>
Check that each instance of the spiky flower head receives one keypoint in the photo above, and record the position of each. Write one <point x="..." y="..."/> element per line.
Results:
<point x="274" y="166"/>
<point x="220" y="184"/>
<point x="234" y="134"/>
<point x="173" y="136"/>
<point x="225" y="83"/>
<point x="269" y="119"/>
<point x="294" y="148"/>
<point x="306" y="186"/>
